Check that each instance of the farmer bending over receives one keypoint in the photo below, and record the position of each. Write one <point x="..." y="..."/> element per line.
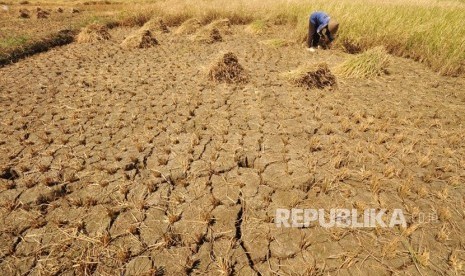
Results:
<point x="321" y="27"/>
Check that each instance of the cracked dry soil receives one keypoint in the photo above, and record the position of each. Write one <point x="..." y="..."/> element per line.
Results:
<point x="132" y="161"/>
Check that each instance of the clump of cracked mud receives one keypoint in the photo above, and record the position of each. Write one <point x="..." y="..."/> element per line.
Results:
<point x="142" y="38"/>
<point x="93" y="33"/>
<point x="317" y="76"/>
<point x="226" y="68"/>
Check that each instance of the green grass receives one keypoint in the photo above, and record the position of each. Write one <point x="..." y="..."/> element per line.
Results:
<point x="14" y="41"/>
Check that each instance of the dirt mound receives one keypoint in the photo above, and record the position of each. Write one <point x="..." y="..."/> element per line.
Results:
<point x="349" y="46"/>
<point x="42" y="14"/>
<point x="212" y="32"/>
<point x="315" y="76"/>
<point x="207" y="35"/>
<point x="227" y="69"/>
<point x="93" y="33"/>
<point x="223" y="25"/>
<point x="371" y="63"/>
<point x="143" y="38"/>
<point x="156" y="25"/>
<point x="189" y="26"/>
<point x="24" y="13"/>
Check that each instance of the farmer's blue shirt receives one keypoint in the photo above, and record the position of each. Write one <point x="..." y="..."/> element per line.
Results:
<point x="319" y="20"/>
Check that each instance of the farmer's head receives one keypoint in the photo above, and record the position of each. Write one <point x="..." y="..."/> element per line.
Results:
<point x="328" y="33"/>
<point x="332" y="28"/>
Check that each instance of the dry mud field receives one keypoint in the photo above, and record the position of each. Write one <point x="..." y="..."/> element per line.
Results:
<point x="133" y="162"/>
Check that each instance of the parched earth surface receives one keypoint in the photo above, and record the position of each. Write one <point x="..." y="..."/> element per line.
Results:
<point x="132" y="162"/>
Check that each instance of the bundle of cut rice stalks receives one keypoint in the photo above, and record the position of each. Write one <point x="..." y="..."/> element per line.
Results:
<point x="156" y="25"/>
<point x="93" y="33"/>
<point x="226" y="68"/>
<point x="312" y="76"/>
<point x="372" y="63"/>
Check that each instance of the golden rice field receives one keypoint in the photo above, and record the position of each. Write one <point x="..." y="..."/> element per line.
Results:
<point x="428" y="31"/>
